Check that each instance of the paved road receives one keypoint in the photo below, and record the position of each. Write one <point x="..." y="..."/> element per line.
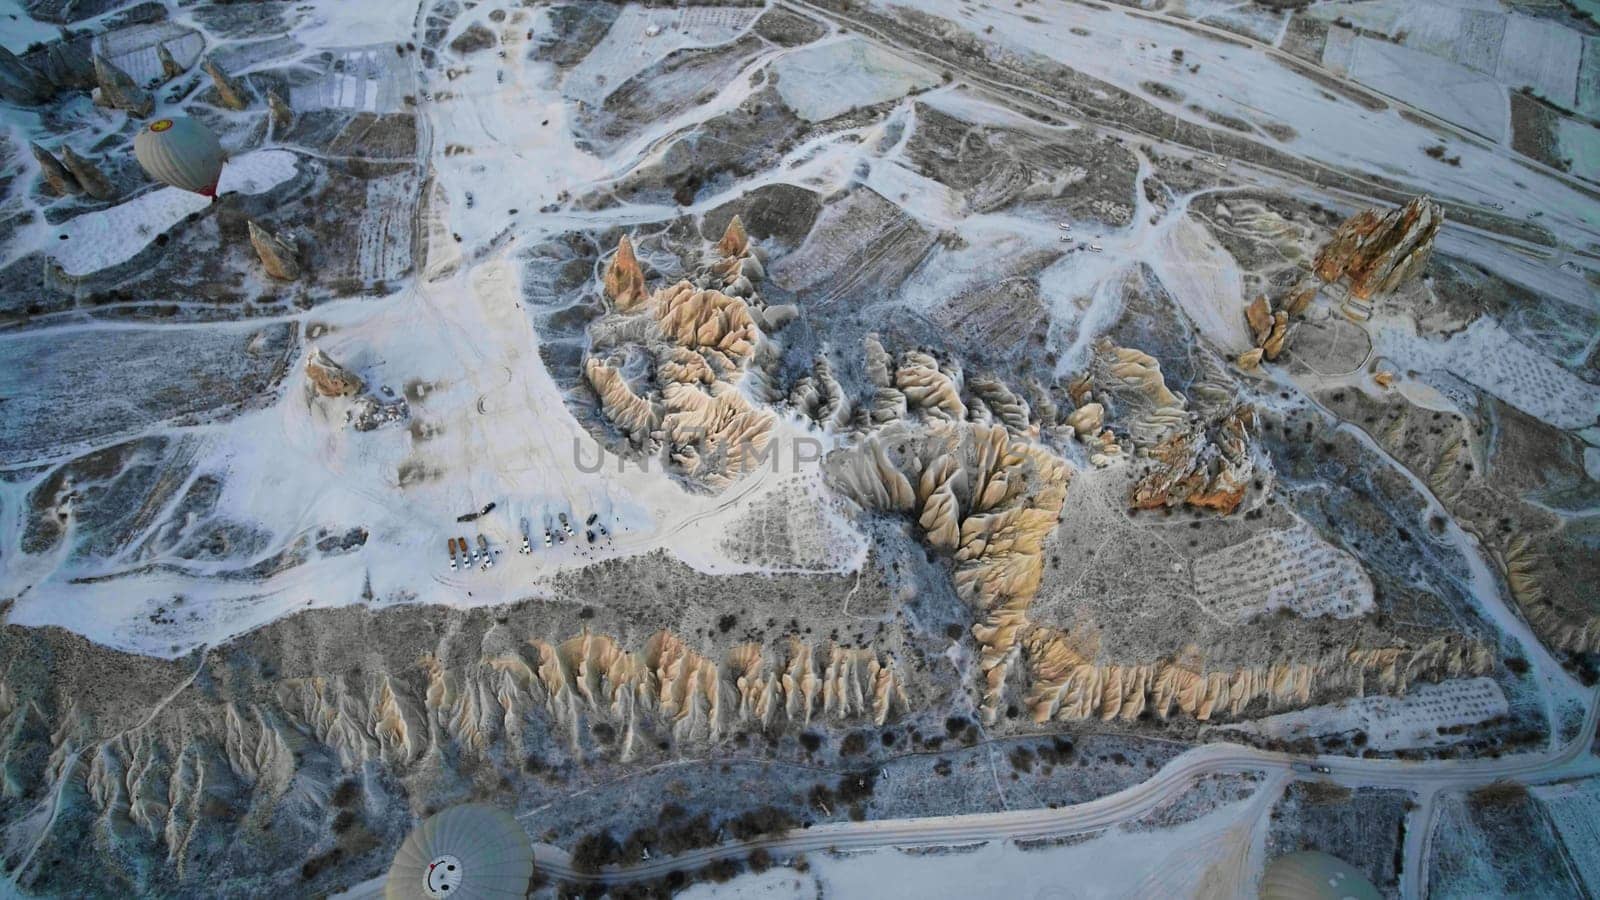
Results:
<point x="1426" y="778"/>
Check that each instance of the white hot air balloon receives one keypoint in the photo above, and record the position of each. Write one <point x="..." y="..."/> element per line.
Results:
<point x="181" y="152"/>
<point x="473" y="851"/>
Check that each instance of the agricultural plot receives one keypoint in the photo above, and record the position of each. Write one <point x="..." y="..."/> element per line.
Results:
<point x="1574" y="807"/>
<point x="1449" y="90"/>
<point x="826" y="80"/>
<point x="1496" y="847"/>
<point x="93" y="384"/>
<point x="383" y="232"/>
<point x="1262" y="24"/>
<point x="1470" y="37"/>
<point x="112" y="236"/>
<point x="1542" y="55"/>
<point x="1424" y="717"/>
<point x="133" y="49"/>
<point x="1588" y="103"/>
<point x="1290" y="569"/>
<point x="1257" y="22"/>
<point x="1488" y="357"/>
<point x="858" y="242"/>
<point x="641" y="36"/>
<point x="1428" y="43"/>
<point x="1364" y="827"/>
<point x="1580" y="143"/>
<point x="796" y="528"/>
<point x="366" y="79"/>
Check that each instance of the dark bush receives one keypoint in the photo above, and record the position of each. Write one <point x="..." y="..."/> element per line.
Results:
<point x="858" y="785"/>
<point x="763" y="820"/>
<point x="595" y="850"/>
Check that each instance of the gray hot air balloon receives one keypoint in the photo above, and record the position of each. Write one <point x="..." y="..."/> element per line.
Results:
<point x="472" y="851"/>
<point x="181" y="152"/>
<point x="1309" y="875"/>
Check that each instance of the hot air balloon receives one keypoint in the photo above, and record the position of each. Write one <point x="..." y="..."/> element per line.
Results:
<point x="472" y="851"/>
<point x="1309" y="875"/>
<point x="181" y="152"/>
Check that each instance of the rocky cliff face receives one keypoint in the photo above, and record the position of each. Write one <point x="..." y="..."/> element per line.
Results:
<point x="1070" y="683"/>
<point x="1187" y="459"/>
<point x="282" y="114"/>
<point x="20" y="83"/>
<point x="1376" y="252"/>
<point x="170" y="67"/>
<point x="235" y="762"/>
<point x="624" y="281"/>
<point x="1564" y="625"/>
<point x="978" y="495"/>
<point x="1209" y="468"/>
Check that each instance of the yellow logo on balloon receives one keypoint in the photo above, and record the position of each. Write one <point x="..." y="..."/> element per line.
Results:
<point x="161" y="125"/>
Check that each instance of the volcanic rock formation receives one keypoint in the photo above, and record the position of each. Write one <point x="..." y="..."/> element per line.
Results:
<point x="88" y="175"/>
<point x="819" y="396"/>
<point x="150" y="761"/>
<point x="1378" y="252"/>
<point x="328" y="378"/>
<point x="229" y="94"/>
<point x="282" y="115"/>
<point x="118" y="89"/>
<point x="1206" y="464"/>
<point x="1207" y="468"/>
<point x="1068" y="682"/>
<point x="20" y="83"/>
<point x="279" y="254"/>
<point x="739" y="268"/>
<point x="701" y="343"/>
<point x="624" y="281"/>
<point x="984" y="498"/>
<point x="170" y="68"/>
<point x="68" y="63"/>
<point x="1567" y="629"/>
<point x="57" y="179"/>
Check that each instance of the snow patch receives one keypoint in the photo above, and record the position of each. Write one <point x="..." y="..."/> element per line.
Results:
<point x="1487" y="356"/>
<point x="1393" y="723"/>
<point x="821" y="81"/>
<point x="641" y="36"/>
<point x="107" y="237"/>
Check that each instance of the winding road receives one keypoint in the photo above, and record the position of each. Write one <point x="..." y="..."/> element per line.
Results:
<point x="1427" y="779"/>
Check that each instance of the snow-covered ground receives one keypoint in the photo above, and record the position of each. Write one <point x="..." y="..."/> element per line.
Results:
<point x="107" y="237"/>
<point x="1511" y="49"/>
<point x="824" y="80"/>
<point x="500" y="429"/>
<point x="1203" y="857"/>
<point x="1471" y="99"/>
<point x="1574" y="807"/>
<point x="641" y="36"/>
<point x="1129" y="51"/>
<point x="1486" y="355"/>
<point x="1418" y="719"/>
